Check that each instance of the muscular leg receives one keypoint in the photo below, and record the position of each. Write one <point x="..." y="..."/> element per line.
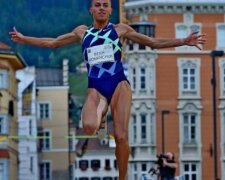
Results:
<point x="120" y="108"/>
<point x="95" y="107"/>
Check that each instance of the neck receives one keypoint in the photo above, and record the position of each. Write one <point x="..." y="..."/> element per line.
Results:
<point x="100" y="25"/>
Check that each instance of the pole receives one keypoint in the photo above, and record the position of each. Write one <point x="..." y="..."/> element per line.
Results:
<point x="163" y="112"/>
<point x="213" y="82"/>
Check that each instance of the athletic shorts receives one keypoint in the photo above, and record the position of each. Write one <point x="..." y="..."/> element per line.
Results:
<point x="107" y="86"/>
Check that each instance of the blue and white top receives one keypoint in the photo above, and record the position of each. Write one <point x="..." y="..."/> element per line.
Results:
<point x="102" y="51"/>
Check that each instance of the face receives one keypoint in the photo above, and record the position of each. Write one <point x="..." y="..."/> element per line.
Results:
<point x="170" y="155"/>
<point x="101" y="10"/>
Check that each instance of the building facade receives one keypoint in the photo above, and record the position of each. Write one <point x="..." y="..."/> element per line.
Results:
<point x="53" y="122"/>
<point x="27" y="125"/>
<point x="172" y="107"/>
<point x="10" y="62"/>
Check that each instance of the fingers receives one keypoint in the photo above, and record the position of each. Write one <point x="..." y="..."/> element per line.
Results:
<point x="14" y="29"/>
<point x="197" y="46"/>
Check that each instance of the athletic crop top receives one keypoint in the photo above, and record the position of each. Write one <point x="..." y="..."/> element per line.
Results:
<point x="101" y="50"/>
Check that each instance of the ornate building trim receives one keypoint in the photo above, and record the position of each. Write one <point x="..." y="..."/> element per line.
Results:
<point x="136" y="8"/>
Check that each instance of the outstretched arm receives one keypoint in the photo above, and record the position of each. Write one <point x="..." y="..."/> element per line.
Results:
<point x="129" y="33"/>
<point x="66" y="39"/>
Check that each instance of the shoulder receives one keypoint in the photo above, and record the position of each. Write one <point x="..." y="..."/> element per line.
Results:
<point x="123" y="29"/>
<point x="80" y="31"/>
<point x="80" y="28"/>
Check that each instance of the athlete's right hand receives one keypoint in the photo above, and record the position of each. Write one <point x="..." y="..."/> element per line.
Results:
<point x="16" y="36"/>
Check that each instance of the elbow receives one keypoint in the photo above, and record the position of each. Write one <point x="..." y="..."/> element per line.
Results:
<point x="50" y="44"/>
<point x="152" y="45"/>
<point x="53" y="45"/>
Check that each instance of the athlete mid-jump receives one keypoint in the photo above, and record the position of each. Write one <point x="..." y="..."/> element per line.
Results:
<point x="107" y="84"/>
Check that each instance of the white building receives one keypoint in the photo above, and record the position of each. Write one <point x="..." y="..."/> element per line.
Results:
<point x="27" y="127"/>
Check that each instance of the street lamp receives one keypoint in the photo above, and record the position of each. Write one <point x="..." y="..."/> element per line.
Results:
<point x="214" y="54"/>
<point x="163" y="112"/>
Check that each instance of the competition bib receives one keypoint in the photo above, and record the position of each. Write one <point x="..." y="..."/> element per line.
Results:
<point x="100" y="54"/>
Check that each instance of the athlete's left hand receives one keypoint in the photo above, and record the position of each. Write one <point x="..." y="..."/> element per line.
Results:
<point x="194" y="39"/>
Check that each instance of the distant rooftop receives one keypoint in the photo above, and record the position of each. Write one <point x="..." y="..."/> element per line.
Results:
<point x="49" y="77"/>
<point x="179" y="1"/>
<point x="4" y="46"/>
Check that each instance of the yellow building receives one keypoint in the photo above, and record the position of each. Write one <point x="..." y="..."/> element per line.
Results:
<point x="52" y="117"/>
<point x="10" y="62"/>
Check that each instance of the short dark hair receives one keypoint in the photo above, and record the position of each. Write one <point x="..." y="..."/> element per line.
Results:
<point x="90" y="2"/>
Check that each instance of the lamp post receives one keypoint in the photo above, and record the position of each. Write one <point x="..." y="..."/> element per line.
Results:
<point x="215" y="54"/>
<point x="163" y="112"/>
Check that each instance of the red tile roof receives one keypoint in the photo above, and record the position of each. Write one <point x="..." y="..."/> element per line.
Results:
<point x="4" y="154"/>
<point x="4" y="46"/>
<point x="2" y="66"/>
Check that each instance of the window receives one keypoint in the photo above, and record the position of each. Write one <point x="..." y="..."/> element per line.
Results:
<point x="46" y="171"/>
<point x="134" y="172"/>
<point x="3" y="125"/>
<point x="152" y="129"/>
<point x="189" y="79"/>
<point x="143" y="128"/>
<point x="31" y="163"/>
<point x="30" y="127"/>
<point x="27" y="100"/>
<point x="144" y="171"/>
<point x="96" y="178"/>
<point x="222" y="76"/>
<point x="133" y="79"/>
<point x="143" y="79"/>
<point x="189" y="125"/>
<point x="183" y="30"/>
<point x="152" y="78"/>
<point x="190" y="171"/>
<point x="134" y="128"/>
<point x="107" y="165"/>
<point x="107" y="178"/>
<point x="83" y="165"/>
<point x="45" y="140"/>
<point x="3" y="169"/>
<point x="95" y="165"/>
<point x="115" y="164"/>
<point x="221" y="35"/>
<point x="44" y="110"/>
<point x="84" y="178"/>
<point x="3" y="79"/>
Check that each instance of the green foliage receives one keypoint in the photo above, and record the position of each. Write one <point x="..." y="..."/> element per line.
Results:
<point x="78" y="84"/>
<point x="46" y="18"/>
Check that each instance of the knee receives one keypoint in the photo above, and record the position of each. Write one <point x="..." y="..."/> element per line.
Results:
<point x="89" y="124"/>
<point x="89" y="128"/>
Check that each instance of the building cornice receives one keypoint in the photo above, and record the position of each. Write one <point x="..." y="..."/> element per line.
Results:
<point x="171" y="52"/>
<point x="53" y="88"/>
<point x="135" y="8"/>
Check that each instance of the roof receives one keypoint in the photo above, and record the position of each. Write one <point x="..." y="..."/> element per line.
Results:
<point x="2" y="66"/>
<point x="4" y="46"/>
<point x="15" y="58"/>
<point x="178" y="1"/>
<point x="49" y="77"/>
